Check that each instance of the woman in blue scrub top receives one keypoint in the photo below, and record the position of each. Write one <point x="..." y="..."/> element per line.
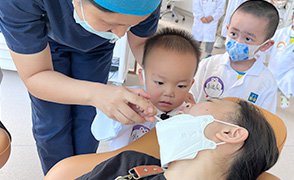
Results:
<point x="62" y="50"/>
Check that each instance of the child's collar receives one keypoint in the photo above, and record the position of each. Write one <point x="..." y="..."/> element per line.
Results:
<point x="254" y="70"/>
<point x="171" y="113"/>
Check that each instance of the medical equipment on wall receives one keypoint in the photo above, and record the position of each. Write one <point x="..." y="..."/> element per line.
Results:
<point x="122" y="58"/>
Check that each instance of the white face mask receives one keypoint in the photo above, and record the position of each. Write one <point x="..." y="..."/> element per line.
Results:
<point x="106" y="35"/>
<point x="182" y="137"/>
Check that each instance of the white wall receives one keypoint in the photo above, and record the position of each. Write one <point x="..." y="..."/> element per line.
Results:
<point x="185" y="5"/>
<point x="5" y="58"/>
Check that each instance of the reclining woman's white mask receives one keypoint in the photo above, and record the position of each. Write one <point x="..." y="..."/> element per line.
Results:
<point x="182" y="137"/>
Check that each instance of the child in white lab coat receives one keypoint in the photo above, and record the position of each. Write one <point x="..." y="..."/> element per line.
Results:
<point x="170" y="62"/>
<point x="206" y="16"/>
<point x="281" y="62"/>
<point x="240" y="71"/>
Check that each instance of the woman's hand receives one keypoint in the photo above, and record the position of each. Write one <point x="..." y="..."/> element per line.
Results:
<point x="125" y="105"/>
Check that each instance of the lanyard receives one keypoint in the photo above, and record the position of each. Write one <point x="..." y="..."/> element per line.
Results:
<point x="139" y="172"/>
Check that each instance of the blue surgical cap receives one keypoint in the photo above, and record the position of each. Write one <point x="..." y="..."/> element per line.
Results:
<point x="130" y="7"/>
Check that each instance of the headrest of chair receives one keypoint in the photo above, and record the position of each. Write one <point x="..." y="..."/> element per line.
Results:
<point x="276" y="123"/>
<point x="5" y="146"/>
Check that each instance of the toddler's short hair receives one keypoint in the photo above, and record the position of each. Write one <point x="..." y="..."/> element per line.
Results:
<point x="172" y="40"/>
<point x="262" y="9"/>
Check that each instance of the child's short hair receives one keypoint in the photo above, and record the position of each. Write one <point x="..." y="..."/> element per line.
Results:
<point x="173" y="40"/>
<point x="262" y="9"/>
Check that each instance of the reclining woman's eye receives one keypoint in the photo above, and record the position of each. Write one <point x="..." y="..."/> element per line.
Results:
<point x="188" y="105"/>
<point x="182" y="86"/>
<point x="211" y="99"/>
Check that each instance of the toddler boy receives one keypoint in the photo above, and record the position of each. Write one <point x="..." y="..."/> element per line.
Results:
<point x="170" y="62"/>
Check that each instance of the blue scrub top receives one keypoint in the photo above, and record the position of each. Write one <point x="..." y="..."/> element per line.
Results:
<point x="27" y="24"/>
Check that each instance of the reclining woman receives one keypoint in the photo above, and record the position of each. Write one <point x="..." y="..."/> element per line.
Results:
<point x="217" y="139"/>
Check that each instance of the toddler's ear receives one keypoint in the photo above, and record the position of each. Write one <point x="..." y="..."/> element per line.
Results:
<point x="141" y="76"/>
<point x="267" y="45"/>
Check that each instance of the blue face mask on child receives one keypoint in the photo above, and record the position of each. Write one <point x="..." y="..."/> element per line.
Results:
<point x="240" y="51"/>
<point x="106" y="35"/>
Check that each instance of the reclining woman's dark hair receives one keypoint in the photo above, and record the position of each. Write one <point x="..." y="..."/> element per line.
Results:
<point x="260" y="151"/>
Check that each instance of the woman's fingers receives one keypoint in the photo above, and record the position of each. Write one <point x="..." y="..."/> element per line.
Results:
<point x="127" y="106"/>
<point x="142" y="104"/>
<point x="140" y="92"/>
<point x="122" y="118"/>
<point x="140" y="111"/>
<point x="129" y="115"/>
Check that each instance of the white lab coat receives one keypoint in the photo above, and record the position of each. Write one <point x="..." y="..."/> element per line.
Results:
<point x="232" y="6"/>
<point x="203" y="8"/>
<point x="281" y="61"/>
<point x="216" y="78"/>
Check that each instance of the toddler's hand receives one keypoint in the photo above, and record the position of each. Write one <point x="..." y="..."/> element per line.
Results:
<point x="203" y="20"/>
<point x="209" y="19"/>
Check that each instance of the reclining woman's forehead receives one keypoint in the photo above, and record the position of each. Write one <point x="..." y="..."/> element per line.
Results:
<point x="219" y="108"/>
